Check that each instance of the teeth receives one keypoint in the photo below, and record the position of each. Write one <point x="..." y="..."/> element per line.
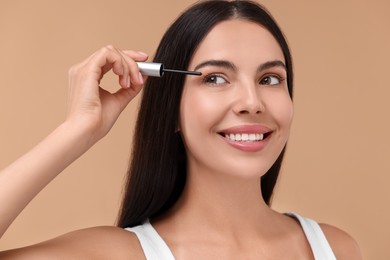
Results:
<point x="245" y="137"/>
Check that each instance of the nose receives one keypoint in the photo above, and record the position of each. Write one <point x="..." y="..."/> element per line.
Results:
<point x="248" y="100"/>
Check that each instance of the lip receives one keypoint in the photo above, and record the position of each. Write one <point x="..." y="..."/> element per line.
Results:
<point x="242" y="129"/>
<point x="244" y="145"/>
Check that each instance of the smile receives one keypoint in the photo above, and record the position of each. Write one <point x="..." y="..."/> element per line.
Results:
<point x="247" y="142"/>
<point x="247" y="138"/>
<point x="244" y="137"/>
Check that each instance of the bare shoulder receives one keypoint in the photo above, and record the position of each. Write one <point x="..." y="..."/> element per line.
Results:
<point x="104" y="242"/>
<point x="343" y="245"/>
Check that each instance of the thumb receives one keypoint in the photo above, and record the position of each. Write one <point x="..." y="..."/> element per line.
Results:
<point x="125" y="95"/>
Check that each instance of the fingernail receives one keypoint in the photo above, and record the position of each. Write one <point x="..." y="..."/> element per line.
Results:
<point x="142" y="53"/>
<point x="128" y="82"/>
<point x="140" y="78"/>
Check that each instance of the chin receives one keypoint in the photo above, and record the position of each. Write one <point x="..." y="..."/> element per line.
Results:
<point x="245" y="171"/>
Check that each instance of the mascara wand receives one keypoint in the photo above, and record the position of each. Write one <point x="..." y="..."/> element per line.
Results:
<point x="157" y="69"/>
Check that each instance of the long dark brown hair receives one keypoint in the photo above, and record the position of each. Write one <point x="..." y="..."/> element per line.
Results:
<point x="157" y="171"/>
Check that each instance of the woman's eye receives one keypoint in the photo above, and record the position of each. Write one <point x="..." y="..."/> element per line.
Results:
<point x="215" y="79"/>
<point x="270" y="80"/>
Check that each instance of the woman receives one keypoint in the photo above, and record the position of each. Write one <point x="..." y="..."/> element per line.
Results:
<point x="202" y="144"/>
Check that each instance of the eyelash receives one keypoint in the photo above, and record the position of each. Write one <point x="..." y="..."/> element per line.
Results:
<point x="209" y="77"/>
<point x="279" y="78"/>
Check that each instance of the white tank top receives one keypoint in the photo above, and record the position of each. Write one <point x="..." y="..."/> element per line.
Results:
<point x="155" y="248"/>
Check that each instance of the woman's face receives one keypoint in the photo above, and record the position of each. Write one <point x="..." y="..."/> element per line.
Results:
<point x="235" y="118"/>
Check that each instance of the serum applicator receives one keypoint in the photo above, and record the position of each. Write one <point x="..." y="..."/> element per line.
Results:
<point x="154" y="69"/>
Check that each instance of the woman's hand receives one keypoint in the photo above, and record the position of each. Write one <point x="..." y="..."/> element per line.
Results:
<point x="93" y="109"/>
<point x="91" y="114"/>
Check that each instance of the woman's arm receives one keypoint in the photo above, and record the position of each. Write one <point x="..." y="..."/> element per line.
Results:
<point x="92" y="112"/>
<point x="91" y="243"/>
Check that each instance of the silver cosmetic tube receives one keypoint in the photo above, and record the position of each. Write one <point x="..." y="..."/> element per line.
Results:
<point x="151" y="69"/>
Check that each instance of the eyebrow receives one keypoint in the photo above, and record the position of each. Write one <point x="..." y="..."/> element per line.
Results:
<point x="271" y="64"/>
<point x="217" y="63"/>
<point x="229" y="65"/>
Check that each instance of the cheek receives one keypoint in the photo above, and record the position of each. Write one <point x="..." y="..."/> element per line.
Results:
<point x="198" y="111"/>
<point x="281" y="109"/>
<point x="287" y="112"/>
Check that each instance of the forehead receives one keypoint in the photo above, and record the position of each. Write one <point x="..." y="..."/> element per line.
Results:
<point x="239" y="41"/>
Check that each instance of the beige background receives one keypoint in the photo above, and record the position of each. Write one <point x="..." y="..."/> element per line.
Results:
<point x="337" y="166"/>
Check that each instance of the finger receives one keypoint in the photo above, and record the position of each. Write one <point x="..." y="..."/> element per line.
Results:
<point x="131" y="74"/>
<point x="115" y="61"/>
<point x="124" y="96"/>
<point x="105" y="59"/>
<point x="136" y="55"/>
<point x="131" y="57"/>
<point x="122" y="64"/>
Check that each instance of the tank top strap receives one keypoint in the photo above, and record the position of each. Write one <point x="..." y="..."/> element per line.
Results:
<point x="155" y="248"/>
<point x="152" y="244"/>
<point x="316" y="238"/>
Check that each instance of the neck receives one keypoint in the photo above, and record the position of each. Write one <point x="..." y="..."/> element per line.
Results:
<point x="223" y="203"/>
<point x="229" y="211"/>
